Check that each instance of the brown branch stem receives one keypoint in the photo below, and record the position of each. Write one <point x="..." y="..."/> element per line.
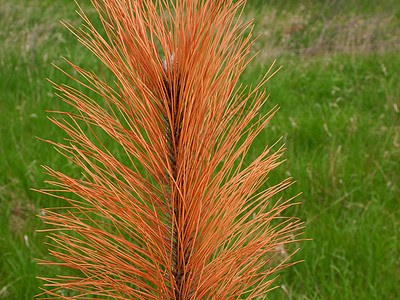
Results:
<point x="173" y="130"/>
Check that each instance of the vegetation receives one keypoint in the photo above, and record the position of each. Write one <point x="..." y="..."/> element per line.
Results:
<point x="339" y="117"/>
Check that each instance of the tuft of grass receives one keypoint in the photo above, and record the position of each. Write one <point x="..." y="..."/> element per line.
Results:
<point x="339" y="118"/>
<point x="320" y="27"/>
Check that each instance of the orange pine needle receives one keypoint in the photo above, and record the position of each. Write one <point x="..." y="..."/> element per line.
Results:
<point x="175" y="214"/>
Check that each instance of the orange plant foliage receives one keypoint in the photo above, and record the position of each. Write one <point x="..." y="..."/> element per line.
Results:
<point x="180" y="217"/>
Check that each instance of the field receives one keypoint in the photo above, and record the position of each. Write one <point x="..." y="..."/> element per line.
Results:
<point x="339" y="98"/>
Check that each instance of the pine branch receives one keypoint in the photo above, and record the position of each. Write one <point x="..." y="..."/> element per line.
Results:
<point x="175" y="214"/>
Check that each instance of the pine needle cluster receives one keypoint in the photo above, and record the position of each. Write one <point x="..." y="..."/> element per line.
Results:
<point x="180" y="215"/>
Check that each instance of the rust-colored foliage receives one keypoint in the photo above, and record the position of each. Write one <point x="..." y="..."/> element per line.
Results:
<point x="179" y="217"/>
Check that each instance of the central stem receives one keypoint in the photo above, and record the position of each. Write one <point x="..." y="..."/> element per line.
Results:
<point x="173" y="131"/>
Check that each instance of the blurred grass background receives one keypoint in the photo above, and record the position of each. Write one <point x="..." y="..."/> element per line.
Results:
<point x="339" y="95"/>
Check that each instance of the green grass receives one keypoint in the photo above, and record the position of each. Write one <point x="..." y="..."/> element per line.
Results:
<point x="339" y="96"/>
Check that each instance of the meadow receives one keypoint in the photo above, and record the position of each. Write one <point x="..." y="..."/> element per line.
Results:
<point x="339" y="98"/>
